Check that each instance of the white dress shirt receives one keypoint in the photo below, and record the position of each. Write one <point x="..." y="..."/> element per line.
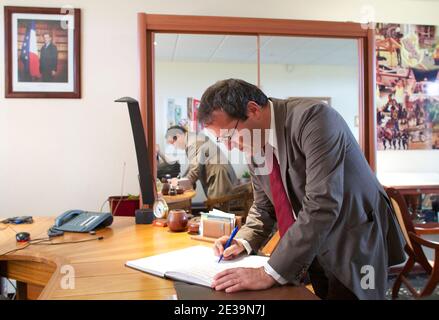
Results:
<point x="272" y="141"/>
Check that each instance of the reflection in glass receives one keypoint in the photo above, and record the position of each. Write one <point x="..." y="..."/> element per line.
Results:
<point x="185" y="65"/>
<point x="323" y="68"/>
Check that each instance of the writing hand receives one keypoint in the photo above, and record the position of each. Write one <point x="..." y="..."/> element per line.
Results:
<point x="231" y="252"/>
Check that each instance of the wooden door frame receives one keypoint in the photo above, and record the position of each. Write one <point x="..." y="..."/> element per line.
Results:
<point x="148" y="24"/>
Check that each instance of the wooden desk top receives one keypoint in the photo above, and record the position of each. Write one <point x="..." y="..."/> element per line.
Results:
<point x="99" y="266"/>
<point x="187" y="195"/>
<point x="411" y="182"/>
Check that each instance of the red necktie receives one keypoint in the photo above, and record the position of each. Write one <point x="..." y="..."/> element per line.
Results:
<point x="282" y="205"/>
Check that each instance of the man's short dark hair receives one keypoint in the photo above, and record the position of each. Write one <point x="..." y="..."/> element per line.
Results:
<point x="174" y="130"/>
<point x="230" y="96"/>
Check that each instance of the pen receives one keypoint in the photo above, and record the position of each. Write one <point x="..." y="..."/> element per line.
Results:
<point x="229" y="242"/>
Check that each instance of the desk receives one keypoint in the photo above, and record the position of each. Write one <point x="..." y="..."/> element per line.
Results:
<point x="410" y="183"/>
<point x="181" y="201"/>
<point x="99" y="266"/>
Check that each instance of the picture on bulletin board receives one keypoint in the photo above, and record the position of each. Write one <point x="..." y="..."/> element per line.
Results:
<point x="42" y="52"/>
<point x="407" y="87"/>
<point x="176" y="112"/>
<point x="192" y="115"/>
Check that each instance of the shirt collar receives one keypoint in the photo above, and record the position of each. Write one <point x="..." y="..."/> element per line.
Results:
<point x="272" y="139"/>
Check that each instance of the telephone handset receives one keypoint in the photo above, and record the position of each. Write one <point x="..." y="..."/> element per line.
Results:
<point x="66" y="216"/>
<point x="82" y="221"/>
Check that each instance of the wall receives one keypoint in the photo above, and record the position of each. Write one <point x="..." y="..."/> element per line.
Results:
<point x="340" y="83"/>
<point x="62" y="154"/>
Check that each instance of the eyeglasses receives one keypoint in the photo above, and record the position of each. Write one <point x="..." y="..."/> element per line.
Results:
<point x="227" y="138"/>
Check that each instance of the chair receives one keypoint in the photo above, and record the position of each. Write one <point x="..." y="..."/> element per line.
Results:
<point x="238" y="201"/>
<point x="271" y="244"/>
<point x="413" y="248"/>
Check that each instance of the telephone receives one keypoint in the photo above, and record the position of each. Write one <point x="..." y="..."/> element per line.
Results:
<point x="82" y="221"/>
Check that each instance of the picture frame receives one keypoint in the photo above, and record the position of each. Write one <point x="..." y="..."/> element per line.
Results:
<point x="407" y="79"/>
<point x="42" y="52"/>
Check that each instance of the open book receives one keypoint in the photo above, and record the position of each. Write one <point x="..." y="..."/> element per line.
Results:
<point x="196" y="265"/>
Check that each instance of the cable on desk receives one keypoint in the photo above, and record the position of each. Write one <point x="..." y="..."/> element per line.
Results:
<point x="8" y="226"/>
<point x="66" y="242"/>
<point x="42" y="240"/>
<point x="21" y="248"/>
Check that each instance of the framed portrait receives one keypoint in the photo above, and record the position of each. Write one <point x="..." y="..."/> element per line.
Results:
<point x="42" y="52"/>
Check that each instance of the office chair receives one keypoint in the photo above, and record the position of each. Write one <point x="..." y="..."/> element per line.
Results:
<point x="413" y="248"/>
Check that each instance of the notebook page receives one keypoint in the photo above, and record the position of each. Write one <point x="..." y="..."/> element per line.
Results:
<point x="160" y="264"/>
<point x="202" y="272"/>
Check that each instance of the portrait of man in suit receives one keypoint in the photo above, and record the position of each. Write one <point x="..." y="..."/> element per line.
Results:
<point x="48" y="59"/>
<point x="333" y="216"/>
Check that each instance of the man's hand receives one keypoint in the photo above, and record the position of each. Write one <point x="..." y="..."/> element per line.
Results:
<point x="231" y="252"/>
<point x="53" y="72"/>
<point x="239" y="279"/>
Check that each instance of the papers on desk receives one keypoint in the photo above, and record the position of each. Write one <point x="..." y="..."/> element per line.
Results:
<point x="228" y="219"/>
<point x="196" y="265"/>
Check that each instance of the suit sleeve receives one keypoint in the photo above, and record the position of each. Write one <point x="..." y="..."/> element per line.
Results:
<point x="218" y="181"/>
<point x="41" y="59"/>
<point x="322" y="139"/>
<point x="193" y="171"/>
<point x="54" y="59"/>
<point x="259" y="222"/>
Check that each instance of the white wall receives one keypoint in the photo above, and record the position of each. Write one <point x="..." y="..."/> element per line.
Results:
<point x="409" y="161"/>
<point x="340" y="83"/>
<point x="178" y="80"/>
<point x="61" y="154"/>
<point x="181" y="80"/>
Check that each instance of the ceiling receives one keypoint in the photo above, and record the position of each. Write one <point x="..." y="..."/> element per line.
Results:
<point x="243" y="49"/>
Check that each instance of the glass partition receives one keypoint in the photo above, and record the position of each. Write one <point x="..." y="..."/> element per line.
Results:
<point x="185" y="65"/>
<point x="323" y="68"/>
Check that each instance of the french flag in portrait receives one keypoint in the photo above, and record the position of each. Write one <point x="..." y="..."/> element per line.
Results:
<point x="29" y="52"/>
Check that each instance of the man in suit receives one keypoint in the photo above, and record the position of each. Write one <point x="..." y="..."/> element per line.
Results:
<point x="207" y="162"/>
<point x="48" y="59"/>
<point x="334" y="218"/>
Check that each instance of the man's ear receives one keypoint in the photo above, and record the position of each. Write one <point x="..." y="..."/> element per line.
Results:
<point x="253" y="110"/>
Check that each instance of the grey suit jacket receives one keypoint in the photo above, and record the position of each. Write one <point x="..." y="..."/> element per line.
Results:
<point x="344" y="218"/>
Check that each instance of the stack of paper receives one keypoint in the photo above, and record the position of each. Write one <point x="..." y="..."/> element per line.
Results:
<point x="219" y="215"/>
